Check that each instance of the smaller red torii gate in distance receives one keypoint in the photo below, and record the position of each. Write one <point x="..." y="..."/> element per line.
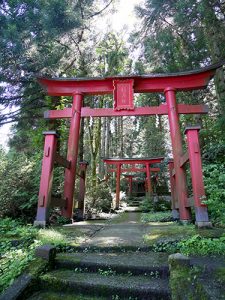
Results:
<point x="119" y="162"/>
<point x="135" y="170"/>
<point x="122" y="88"/>
<point x="131" y="179"/>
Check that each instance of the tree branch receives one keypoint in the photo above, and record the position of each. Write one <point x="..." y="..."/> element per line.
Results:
<point x="100" y="11"/>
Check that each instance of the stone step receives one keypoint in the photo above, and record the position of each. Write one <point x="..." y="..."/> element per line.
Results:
<point x="137" y="263"/>
<point x="51" y="295"/>
<point x="107" y="285"/>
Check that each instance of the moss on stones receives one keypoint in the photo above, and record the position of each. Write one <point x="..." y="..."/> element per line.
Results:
<point x="185" y="285"/>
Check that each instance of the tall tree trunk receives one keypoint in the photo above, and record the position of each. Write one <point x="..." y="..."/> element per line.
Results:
<point x="214" y="31"/>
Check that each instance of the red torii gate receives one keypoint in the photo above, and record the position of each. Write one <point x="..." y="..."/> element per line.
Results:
<point x="123" y="89"/>
<point x="130" y="178"/>
<point x="118" y="162"/>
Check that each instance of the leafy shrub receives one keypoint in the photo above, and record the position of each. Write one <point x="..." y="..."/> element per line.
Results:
<point x="147" y="204"/>
<point x="214" y="179"/>
<point x="161" y="205"/>
<point x="17" y="246"/>
<point x="156" y="217"/>
<point x="99" y="198"/>
<point x="14" y="229"/>
<point x="19" y="187"/>
<point x="197" y="245"/>
<point x="13" y="261"/>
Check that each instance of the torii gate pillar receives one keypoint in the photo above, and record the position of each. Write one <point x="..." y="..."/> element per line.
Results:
<point x="81" y="203"/>
<point x="118" y="173"/>
<point x="176" y="140"/>
<point x="72" y="153"/>
<point x="201" y="212"/>
<point x="174" y="202"/>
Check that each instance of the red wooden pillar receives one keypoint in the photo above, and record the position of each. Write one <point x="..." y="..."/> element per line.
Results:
<point x="149" y="184"/>
<point x="81" y="203"/>
<point x="118" y="173"/>
<point x="176" y="140"/>
<point x="174" y="204"/>
<point x="201" y="212"/>
<point x="45" y="190"/>
<point x="73" y="142"/>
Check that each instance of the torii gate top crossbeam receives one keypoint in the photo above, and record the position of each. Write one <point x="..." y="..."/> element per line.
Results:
<point x="188" y="80"/>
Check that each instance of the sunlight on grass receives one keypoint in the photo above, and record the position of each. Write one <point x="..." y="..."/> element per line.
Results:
<point x="153" y="236"/>
<point x="56" y="237"/>
<point x="168" y="232"/>
<point x="51" y="236"/>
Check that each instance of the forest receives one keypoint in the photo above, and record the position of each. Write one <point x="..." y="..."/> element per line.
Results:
<point x="64" y="39"/>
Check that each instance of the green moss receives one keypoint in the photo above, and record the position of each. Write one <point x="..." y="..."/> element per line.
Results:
<point x="170" y="231"/>
<point x="71" y="258"/>
<point x="185" y="285"/>
<point x="220" y="275"/>
<point x="37" y="266"/>
<point x="167" y="232"/>
<point x="58" y="296"/>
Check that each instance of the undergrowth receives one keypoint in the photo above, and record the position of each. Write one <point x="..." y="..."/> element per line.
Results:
<point x="17" y="247"/>
<point x="162" y="216"/>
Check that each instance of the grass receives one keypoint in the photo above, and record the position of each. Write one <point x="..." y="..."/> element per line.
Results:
<point x="187" y="239"/>
<point x="162" y="216"/>
<point x="18" y="243"/>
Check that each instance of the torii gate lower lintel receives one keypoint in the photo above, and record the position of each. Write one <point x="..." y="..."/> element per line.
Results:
<point x="123" y="88"/>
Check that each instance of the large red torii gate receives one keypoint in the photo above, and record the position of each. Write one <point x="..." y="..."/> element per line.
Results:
<point x="119" y="162"/>
<point x="123" y="89"/>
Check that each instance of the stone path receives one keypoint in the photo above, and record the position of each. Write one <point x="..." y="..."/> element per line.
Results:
<point x="111" y="264"/>
<point x="125" y="231"/>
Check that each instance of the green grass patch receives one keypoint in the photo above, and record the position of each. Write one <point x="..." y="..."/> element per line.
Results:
<point x="198" y="245"/>
<point x="163" y="216"/>
<point x="18" y="243"/>
<point x="171" y="237"/>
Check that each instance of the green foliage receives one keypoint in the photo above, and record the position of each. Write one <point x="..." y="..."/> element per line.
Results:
<point x="157" y="205"/>
<point x="20" y="177"/>
<point x="185" y="285"/>
<point x="51" y="236"/>
<point x="214" y="178"/>
<point x="10" y="228"/>
<point x="17" y="245"/>
<point x="99" y="198"/>
<point x="161" y="205"/>
<point x="147" y="204"/>
<point x="33" y="41"/>
<point x="112" y="56"/>
<point x="108" y="272"/>
<point x="197" y="245"/>
<point x="13" y="262"/>
<point x="156" y="217"/>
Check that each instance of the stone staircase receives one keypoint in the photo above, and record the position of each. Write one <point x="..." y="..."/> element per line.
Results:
<point x="135" y="202"/>
<point x="100" y="274"/>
